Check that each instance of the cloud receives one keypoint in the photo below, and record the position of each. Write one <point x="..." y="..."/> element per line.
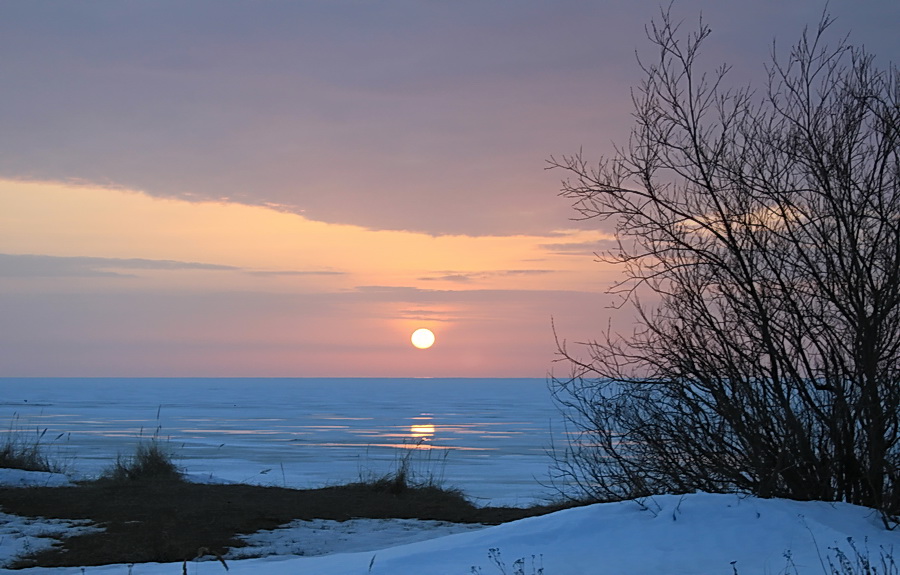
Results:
<point x="427" y="315"/>
<point x="394" y="115"/>
<point x="524" y="272"/>
<point x="468" y="277"/>
<point x="581" y="248"/>
<point x="410" y="294"/>
<point x="271" y="273"/>
<point x="30" y="265"/>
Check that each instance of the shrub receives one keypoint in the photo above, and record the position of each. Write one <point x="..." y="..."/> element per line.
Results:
<point x="19" y="451"/>
<point x="860" y="562"/>
<point x="150" y="461"/>
<point x="760" y="241"/>
<point x="417" y="468"/>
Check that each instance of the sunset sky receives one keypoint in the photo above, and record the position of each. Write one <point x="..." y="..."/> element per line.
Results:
<point x="291" y="188"/>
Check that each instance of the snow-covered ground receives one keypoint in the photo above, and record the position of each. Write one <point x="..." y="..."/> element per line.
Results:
<point x="667" y="534"/>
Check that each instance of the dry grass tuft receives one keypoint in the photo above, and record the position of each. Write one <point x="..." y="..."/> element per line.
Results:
<point x="149" y="462"/>
<point x="26" y="451"/>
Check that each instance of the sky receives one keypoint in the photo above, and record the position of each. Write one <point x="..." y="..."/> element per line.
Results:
<point x="291" y="188"/>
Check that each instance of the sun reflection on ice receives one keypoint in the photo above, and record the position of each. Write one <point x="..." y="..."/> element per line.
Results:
<point x="422" y="431"/>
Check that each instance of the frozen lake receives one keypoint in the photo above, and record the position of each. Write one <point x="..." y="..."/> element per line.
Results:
<point x="488" y="437"/>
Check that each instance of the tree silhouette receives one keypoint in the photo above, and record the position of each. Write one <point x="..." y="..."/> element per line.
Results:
<point x="767" y="229"/>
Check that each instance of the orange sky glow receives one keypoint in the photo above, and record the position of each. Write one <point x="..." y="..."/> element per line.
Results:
<point x="282" y="294"/>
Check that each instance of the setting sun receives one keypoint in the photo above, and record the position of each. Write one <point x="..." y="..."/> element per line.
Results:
<point x="422" y="338"/>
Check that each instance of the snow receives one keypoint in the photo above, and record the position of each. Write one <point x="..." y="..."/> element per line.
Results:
<point x="688" y="534"/>
<point x="20" y="535"/>
<point x="325" y="537"/>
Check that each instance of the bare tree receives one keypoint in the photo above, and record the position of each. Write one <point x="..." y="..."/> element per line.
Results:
<point x="767" y="228"/>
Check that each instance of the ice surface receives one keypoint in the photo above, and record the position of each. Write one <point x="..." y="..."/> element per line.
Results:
<point x="487" y="437"/>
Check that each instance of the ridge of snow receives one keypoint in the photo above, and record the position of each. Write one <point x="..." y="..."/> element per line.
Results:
<point x="675" y="535"/>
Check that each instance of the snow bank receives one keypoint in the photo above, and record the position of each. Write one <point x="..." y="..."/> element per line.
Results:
<point x="675" y="535"/>
<point x="666" y="534"/>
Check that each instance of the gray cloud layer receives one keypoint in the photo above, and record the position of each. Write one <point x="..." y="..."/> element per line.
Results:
<point x="37" y="265"/>
<point x="28" y="265"/>
<point x="434" y="117"/>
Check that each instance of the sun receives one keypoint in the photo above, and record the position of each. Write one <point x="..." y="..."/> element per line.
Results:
<point x="422" y="338"/>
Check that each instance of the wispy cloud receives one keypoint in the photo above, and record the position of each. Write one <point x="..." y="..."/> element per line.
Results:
<point x="467" y="277"/>
<point x="581" y="248"/>
<point x="33" y="265"/>
<point x="270" y="273"/>
<point x="427" y="315"/>
<point x="453" y="277"/>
